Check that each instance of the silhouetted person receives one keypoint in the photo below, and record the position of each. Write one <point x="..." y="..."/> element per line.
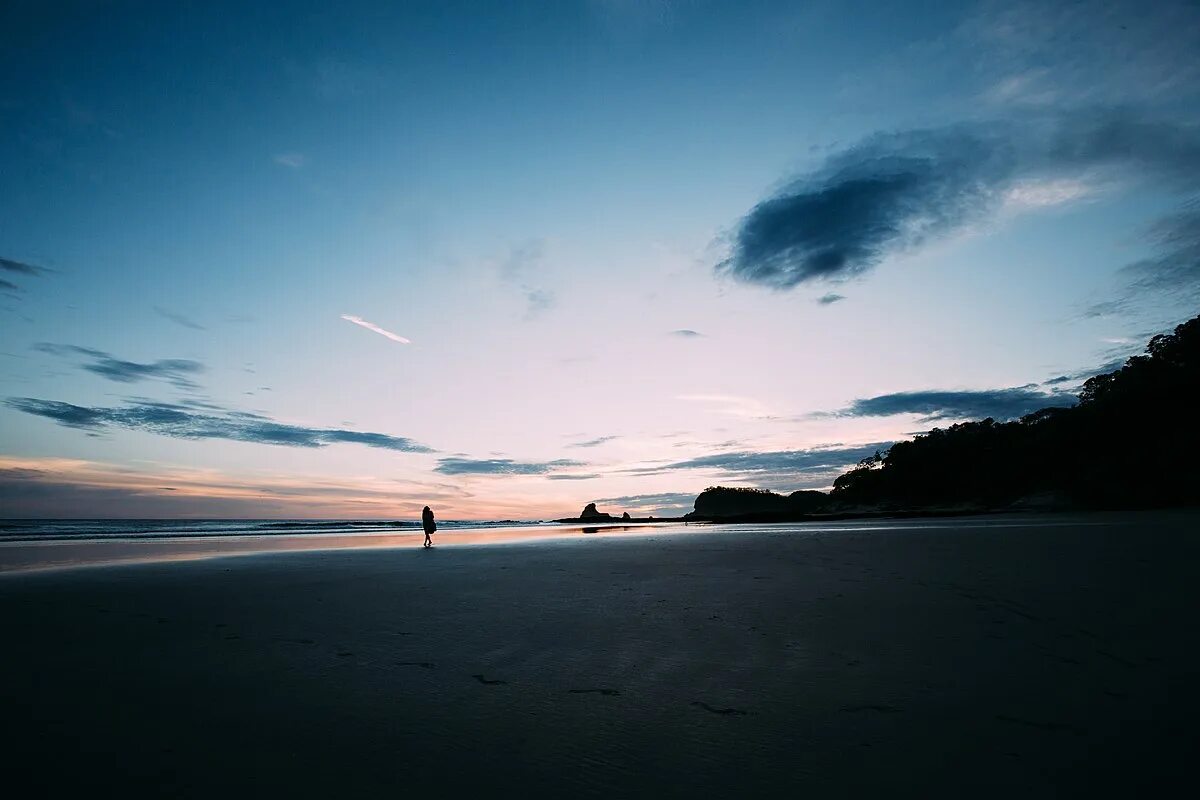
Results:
<point x="428" y="524"/>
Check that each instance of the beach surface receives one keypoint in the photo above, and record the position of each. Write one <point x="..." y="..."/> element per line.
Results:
<point x="987" y="657"/>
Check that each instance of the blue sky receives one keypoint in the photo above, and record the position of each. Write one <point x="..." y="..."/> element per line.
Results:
<point x="867" y="219"/>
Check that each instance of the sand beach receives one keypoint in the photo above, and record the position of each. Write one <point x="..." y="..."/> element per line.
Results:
<point x="998" y="656"/>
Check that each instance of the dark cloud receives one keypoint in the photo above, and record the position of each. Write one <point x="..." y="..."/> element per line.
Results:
<point x="18" y="268"/>
<point x="181" y="422"/>
<point x="932" y="405"/>
<point x="21" y="268"/>
<point x="176" y="371"/>
<point x="576" y="476"/>
<point x="687" y="333"/>
<point x="594" y="442"/>
<point x="816" y="466"/>
<point x="780" y="460"/>
<point x="179" y="319"/>
<point x="830" y="298"/>
<point x="1083" y="375"/>
<point x="1176" y="267"/>
<point x="501" y="466"/>
<point x="895" y="191"/>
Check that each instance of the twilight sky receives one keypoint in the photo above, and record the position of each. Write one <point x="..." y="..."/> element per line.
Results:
<point x="348" y="259"/>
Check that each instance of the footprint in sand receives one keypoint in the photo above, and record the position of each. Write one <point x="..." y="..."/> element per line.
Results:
<point x="345" y="654"/>
<point x="722" y="711"/>
<point x="487" y="682"/>
<point x="421" y="664"/>
<point x="605" y="692"/>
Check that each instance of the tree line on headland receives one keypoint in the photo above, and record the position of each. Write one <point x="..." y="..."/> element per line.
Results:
<point x="1130" y="442"/>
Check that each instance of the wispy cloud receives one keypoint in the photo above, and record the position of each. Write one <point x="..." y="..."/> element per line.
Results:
<point x="501" y="466"/>
<point x="179" y="319"/>
<point x="687" y="333"/>
<point x="894" y="192"/>
<point x="371" y="326"/>
<point x="183" y="422"/>
<point x="521" y="268"/>
<point x="21" y="268"/>
<point x="290" y="160"/>
<point x="594" y="442"/>
<point x="573" y="476"/>
<point x="730" y="405"/>
<point x="176" y="371"/>
<point x="830" y="298"/>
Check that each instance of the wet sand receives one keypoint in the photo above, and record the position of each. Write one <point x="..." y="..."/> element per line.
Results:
<point x="953" y="658"/>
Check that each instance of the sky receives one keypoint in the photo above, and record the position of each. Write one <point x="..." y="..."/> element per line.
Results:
<point x="506" y="259"/>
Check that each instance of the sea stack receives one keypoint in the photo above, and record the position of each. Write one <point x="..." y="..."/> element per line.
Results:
<point x="590" y="514"/>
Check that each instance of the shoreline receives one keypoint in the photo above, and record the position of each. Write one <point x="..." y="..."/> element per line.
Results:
<point x="65" y="553"/>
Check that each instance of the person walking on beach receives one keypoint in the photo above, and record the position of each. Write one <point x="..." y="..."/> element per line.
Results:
<point x="428" y="524"/>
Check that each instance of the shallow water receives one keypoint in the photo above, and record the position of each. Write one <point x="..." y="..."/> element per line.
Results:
<point x="59" y="544"/>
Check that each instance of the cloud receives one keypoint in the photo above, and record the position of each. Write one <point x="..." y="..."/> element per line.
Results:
<point x="21" y="268"/>
<point x="182" y="422"/>
<point x="290" y="160"/>
<point x="1083" y="375"/>
<point x="932" y="405"/>
<point x="894" y="192"/>
<point x="175" y="371"/>
<point x="814" y="467"/>
<point x="61" y="488"/>
<point x="501" y="466"/>
<point x="179" y="319"/>
<point x="731" y="405"/>
<point x="670" y="502"/>
<point x="521" y="268"/>
<point x="371" y="326"/>
<point x="573" y="476"/>
<point x="1175" y="269"/>
<point x="594" y="442"/>
<point x="830" y="299"/>
<point x="687" y="333"/>
<point x="18" y="268"/>
<point x="785" y="461"/>
<point x="538" y="301"/>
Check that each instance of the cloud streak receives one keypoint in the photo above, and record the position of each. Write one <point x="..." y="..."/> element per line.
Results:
<point x="371" y="326"/>
<point x="179" y="319"/>
<point x="18" y="268"/>
<point x="183" y="422"/>
<point x="502" y="466"/>
<point x="594" y="442"/>
<point x="894" y="192"/>
<point x="176" y="371"/>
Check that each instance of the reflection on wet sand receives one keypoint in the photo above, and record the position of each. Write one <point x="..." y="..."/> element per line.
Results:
<point x="65" y="553"/>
